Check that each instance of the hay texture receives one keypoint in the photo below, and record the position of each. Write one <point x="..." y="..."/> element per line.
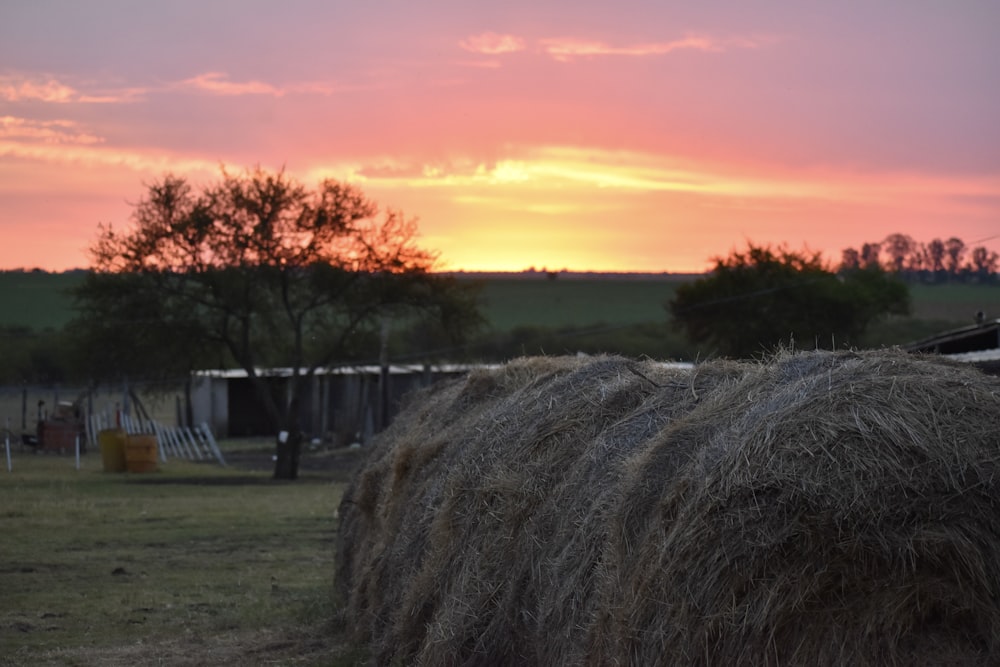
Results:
<point x="817" y="508"/>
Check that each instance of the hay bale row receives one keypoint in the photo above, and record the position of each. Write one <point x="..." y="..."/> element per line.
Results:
<point x="817" y="508"/>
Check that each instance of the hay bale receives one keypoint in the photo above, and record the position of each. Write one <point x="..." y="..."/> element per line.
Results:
<point x="819" y="508"/>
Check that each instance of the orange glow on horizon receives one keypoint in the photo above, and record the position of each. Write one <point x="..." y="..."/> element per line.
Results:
<point x="561" y="207"/>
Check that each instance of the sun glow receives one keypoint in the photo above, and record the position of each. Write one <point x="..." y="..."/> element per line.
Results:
<point x="564" y="206"/>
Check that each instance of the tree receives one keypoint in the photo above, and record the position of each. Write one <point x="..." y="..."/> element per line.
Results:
<point x="755" y="300"/>
<point x="983" y="263"/>
<point x="935" y="258"/>
<point x="869" y="255"/>
<point x="954" y="251"/>
<point x="916" y="261"/>
<point x="850" y="259"/>
<point x="265" y="272"/>
<point x="898" y="247"/>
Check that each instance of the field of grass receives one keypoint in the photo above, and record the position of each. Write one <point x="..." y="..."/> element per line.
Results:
<point x="36" y="300"/>
<point x="39" y="300"/>
<point x="509" y="303"/>
<point x="192" y="565"/>
<point x="958" y="303"/>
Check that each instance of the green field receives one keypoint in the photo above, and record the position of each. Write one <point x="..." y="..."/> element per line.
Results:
<point x="194" y="564"/>
<point x="36" y="300"/>
<point x="509" y="303"/>
<point x="40" y="300"/>
<point x="958" y="303"/>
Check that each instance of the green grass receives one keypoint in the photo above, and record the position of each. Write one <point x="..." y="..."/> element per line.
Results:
<point x="509" y="303"/>
<point x="955" y="303"/>
<point x="36" y="300"/>
<point x="194" y="564"/>
<point x="40" y="300"/>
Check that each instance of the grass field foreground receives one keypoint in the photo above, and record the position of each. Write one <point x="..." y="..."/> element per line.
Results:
<point x="192" y="565"/>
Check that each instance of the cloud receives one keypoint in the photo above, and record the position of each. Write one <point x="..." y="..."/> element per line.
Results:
<point x="149" y="161"/>
<point x="49" y="132"/>
<point x="566" y="49"/>
<point x="44" y="88"/>
<point x="587" y="169"/>
<point x="491" y="43"/>
<point x="218" y="83"/>
<point x="66" y="142"/>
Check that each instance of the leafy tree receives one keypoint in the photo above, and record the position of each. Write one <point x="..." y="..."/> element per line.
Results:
<point x="850" y="259"/>
<point x="916" y="261"/>
<point x="755" y="300"/>
<point x="263" y="272"/>
<point x="869" y="255"/>
<point x="898" y="247"/>
<point x="954" y="251"/>
<point x="935" y="258"/>
<point x="983" y="263"/>
<point x="33" y="356"/>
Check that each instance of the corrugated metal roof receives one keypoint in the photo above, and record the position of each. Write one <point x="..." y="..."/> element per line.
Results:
<point x="367" y="369"/>
<point x="374" y="369"/>
<point x="972" y="338"/>
<point x="977" y="356"/>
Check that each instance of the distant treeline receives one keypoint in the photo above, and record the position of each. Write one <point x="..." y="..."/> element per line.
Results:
<point x="937" y="261"/>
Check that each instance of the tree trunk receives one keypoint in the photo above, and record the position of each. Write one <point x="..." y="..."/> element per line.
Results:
<point x="289" y="448"/>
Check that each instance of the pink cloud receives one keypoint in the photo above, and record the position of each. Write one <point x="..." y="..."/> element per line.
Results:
<point x="218" y="83"/>
<point x="491" y="43"/>
<point x="565" y="49"/>
<point x="42" y="88"/>
<point x="49" y="132"/>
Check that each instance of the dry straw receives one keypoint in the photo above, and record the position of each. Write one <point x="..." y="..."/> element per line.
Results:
<point x="817" y="508"/>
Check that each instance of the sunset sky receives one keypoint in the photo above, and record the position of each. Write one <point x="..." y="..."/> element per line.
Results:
<point x="626" y="136"/>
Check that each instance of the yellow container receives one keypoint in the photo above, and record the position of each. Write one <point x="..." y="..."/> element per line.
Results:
<point x="112" y="444"/>
<point x="140" y="452"/>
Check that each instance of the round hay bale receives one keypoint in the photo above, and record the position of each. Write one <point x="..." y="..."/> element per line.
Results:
<point x="816" y="508"/>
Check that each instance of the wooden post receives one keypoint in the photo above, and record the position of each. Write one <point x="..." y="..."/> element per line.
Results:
<point x="125" y="402"/>
<point x="324" y="404"/>
<point x="7" y="444"/>
<point x="91" y="431"/>
<point x="382" y="406"/>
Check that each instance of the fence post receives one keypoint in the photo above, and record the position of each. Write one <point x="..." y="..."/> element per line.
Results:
<point x="6" y="438"/>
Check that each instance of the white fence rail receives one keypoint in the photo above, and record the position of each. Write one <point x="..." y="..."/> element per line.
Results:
<point x="182" y="442"/>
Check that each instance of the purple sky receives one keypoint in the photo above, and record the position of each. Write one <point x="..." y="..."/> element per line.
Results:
<point x="624" y="136"/>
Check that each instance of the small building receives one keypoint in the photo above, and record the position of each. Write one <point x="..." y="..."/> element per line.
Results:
<point x="977" y="344"/>
<point x="342" y="405"/>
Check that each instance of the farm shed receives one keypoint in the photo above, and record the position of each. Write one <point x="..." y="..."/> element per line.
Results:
<point x="977" y="344"/>
<point x="341" y="402"/>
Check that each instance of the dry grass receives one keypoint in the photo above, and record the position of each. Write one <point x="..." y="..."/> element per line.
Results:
<point x="819" y="508"/>
<point x="193" y="565"/>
